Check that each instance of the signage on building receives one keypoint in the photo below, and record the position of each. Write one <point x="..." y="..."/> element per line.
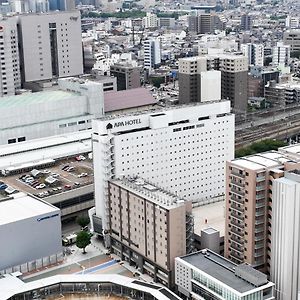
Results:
<point x="123" y="123"/>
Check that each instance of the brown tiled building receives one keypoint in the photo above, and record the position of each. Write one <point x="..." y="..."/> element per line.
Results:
<point x="149" y="227"/>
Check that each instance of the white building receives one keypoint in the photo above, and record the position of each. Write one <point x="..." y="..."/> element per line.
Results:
<point x="10" y="78"/>
<point x="150" y="21"/>
<point x="292" y="22"/>
<point x="285" y="252"/>
<point x="51" y="45"/>
<point x="35" y="115"/>
<point x="254" y="53"/>
<point x="31" y="230"/>
<point x="281" y="55"/>
<point x="152" y="55"/>
<point x="207" y="275"/>
<point x="182" y="150"/>
<point x="210" y="85"/>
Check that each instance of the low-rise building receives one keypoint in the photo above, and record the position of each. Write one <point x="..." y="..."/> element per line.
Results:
<point x="207" y="275"/>
<point x="31" y="230"/>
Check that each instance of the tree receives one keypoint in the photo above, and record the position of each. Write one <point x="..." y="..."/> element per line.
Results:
<point x="83" y="221"/>
<point x="83" y="240"/>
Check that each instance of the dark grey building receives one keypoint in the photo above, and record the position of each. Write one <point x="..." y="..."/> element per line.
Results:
<point x="128" y="77"/>
<point x="204" y="23"/>
<point x="246" y="22"/>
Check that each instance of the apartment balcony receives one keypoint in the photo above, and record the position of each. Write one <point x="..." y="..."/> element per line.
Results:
<point x="259" y="245"/>
<point x="235" y="207"/>
<point x="260" y="213"/>
<point x="236" y="216"/>
<point x="260" y="204"/>
<point x="260" y="196"/>
<point x="239" y="225"/>
<point x="242" y="185"/>
<point x="259" y="253"/>
<point x="236" y="247"/>
<point x="237" y="192"/>
<point x="239" y="258"/>
<point x="236" y="240"/>
<point x="235" y="199"/>
<point x="259" y="237"/>
<point x="259" y="221"/>
<point x="237" y="232"/>
<point x="260" y="178"/>
<point x="237" y="174"/>
<point x="260" y="188"/>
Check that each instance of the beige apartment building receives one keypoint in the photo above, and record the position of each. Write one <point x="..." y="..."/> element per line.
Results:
<point x="249" y="183"/>
<point x="149" y="227"/>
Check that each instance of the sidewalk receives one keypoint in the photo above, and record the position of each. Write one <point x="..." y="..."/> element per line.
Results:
<point x="75" y="262"/>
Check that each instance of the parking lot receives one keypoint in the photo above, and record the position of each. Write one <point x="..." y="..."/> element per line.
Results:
<point x="65" y="175"/>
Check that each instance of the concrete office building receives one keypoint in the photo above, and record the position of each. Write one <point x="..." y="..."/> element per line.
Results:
<point x="281" y="55"/>
<point x="254" y="53"/>
<point x="207" y="275"/>
<point x="285" y="253"/>
<point x="249" y="208"/>
<point x="51" y="45"/>
<point x="234" y="70"/>
<point x="152" y="54"/>
<point x="196" y="84"/>
<point x="128" y="77"/>
<point x="234" y="78"/>
<point x="36" y="115"/>
<point x="151" y="228"/>
<point x="292" y="39"/>
<point x="31" y="230"/>
<point x="10" y="78"/>
<point x="181" y="149"/>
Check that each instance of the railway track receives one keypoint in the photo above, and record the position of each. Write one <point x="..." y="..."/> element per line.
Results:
<point x="280" y="130"/>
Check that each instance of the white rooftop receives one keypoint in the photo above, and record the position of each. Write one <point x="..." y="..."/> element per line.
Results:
<point x="262" y="160"/>
<point x="45" y="148"/>
<point x="292" y="149"/>
<point x="210" y="216"/>
<point x="22" y="207"/>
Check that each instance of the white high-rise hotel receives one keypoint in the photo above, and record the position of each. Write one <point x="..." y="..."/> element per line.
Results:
<point x="180" y="149"/>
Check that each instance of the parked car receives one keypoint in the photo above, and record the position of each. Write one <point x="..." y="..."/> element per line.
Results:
<point x="64" y="168"/>
<point x="67" y="187"/>
<point x="82" y="175"/>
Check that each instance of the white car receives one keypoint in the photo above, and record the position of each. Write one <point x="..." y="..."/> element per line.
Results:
<point x="46" y="171"/>
<point x="29" y="179"/>
<point x="55" y="175"/>
<point x="40" y="186"/>
<point x="82" y="175"/>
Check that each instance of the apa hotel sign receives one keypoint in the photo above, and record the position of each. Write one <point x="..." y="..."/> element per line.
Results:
<point x="123" y="123"/>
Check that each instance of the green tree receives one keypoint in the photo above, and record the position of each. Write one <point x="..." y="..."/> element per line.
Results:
<point x="157" y="81"/>
<point x="83" y="240"/>
<point x="83" y="221"/>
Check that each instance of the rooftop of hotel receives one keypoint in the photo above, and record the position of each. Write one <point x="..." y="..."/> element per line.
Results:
<point x="161" y="109"/>
<point x="150" y="192"/>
